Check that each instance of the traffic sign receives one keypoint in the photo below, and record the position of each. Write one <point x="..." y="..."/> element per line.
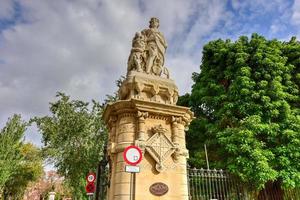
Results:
<point x="132" y="155"/>
<point x="91" y="177"/>
<point x="90" y="187"/>
<point x="132" y="169"/>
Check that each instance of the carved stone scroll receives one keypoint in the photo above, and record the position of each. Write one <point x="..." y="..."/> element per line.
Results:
<point x="112" y="136"/>
<point x="141" y="124"/>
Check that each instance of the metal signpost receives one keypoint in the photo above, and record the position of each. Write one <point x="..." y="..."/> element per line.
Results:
<point x="90" y="187"/>
<point x="132" y="156"/>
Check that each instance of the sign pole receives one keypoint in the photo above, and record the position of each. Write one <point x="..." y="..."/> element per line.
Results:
<point x="133" y="182"/>
<point x="130" y="194"/>
<point x="132" y="155"/>
<point x="132" y="186"/>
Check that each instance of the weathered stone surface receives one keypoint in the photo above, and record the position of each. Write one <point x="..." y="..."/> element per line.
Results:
<point x="147" y="116"/>
<point x="158" y="129"/>
<point x="139" y="85"/>
<point x="148" y="51"/>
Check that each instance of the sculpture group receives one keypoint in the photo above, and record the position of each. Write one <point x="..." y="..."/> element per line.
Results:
<point x="148" y="51"/>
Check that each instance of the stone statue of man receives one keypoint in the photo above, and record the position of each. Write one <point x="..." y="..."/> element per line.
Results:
<point x="155" y="47"/>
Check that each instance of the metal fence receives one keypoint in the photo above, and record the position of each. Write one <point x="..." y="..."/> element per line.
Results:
<point x="103" y="184"/>
<point x="205" y="184"/>
<point x="215" y="184"/>
<point x="293" y="194"/>
<point x="275" y="193"/>
<point x="102" y="181"/>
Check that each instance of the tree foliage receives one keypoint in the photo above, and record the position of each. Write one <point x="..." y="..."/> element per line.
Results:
<point x="49" y="182"/>
<point x="10" y="143"/>
<point x="247" y="103"/>
<point x="73" y="136"/>
<point x="29" y="170"/>
<point x="20" y="163"/>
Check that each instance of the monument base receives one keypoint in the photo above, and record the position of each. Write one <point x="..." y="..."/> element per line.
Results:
<point x="158" y="129"/>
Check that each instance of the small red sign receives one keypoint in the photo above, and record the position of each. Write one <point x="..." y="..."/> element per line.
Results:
<point x="132" y="155"/>
<point x="91" y="177"/>
<point x="90" y="188"/>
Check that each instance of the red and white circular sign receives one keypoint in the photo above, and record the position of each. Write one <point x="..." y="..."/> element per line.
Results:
<point x="91" y="177"/>
<point x="132" y="155"/>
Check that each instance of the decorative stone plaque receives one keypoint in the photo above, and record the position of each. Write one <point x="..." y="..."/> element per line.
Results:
<point x="160" y="147"/>
<point x="158" y="189"/>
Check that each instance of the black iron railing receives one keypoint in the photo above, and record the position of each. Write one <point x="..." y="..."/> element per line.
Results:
<point x="205" y="184"/>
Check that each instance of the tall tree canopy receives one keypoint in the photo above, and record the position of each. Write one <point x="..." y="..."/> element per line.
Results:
<point x="247" y="103"/>
<point x="28" y="171"/>
<point x="10" y="143"/>
<point x="20" y="163"/>
<point x="73" y="136"/>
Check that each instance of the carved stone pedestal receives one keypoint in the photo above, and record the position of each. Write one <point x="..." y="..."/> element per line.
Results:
<point x="158" y="129"/>
<point x="149" y="88"/>
<point x="147" y="116"/>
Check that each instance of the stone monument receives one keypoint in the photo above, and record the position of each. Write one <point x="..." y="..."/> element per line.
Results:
<point x="147" y="116"/>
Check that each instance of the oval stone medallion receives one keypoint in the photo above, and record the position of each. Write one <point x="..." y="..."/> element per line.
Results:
<point x="159" y="189"/>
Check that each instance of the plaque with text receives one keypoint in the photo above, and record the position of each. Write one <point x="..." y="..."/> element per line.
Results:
<point x="159" y="189"/>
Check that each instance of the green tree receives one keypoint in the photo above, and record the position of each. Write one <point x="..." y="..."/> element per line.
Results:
<point x="10" y="142"/>
<point x="20" y="163"/>
<point x="246" y="102"/>
<point x="73" y="137"/>
<point x="29" y="170"/>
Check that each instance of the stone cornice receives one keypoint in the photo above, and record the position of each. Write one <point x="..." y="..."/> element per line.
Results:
<point x="134" y="105"/>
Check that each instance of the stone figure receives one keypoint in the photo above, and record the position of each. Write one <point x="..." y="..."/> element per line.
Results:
<point x="136" y="57"/>
<point x="148" y="51"/>
<point x="165" y="71"/>
<point x="155" y="48"/>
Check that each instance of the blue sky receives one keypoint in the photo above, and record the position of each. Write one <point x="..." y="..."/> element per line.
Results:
<point x="81" y="47"/>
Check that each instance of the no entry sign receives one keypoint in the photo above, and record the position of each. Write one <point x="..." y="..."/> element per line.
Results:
<point x="132" y="155"/>
<point x="90" y="188"/>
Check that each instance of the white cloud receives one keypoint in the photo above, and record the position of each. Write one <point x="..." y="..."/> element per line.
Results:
<point x="209" y="14"/>
<point x="81" y="48"/>
<point x="296" y="12"/>
<point x="6" y="9"/>
<point x="181" y="68"/>
<point x="258" y="7"/>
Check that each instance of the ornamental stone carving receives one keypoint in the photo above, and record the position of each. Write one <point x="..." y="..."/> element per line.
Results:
<point x="160" y="147"/>
<point x="141" y="125"/>
<point x="148" y="51"/>
<point x="147" y="78"/>
<point x="112" y="136"/>
<point x="146" y="115"/>
<point x="142" y="86"/>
